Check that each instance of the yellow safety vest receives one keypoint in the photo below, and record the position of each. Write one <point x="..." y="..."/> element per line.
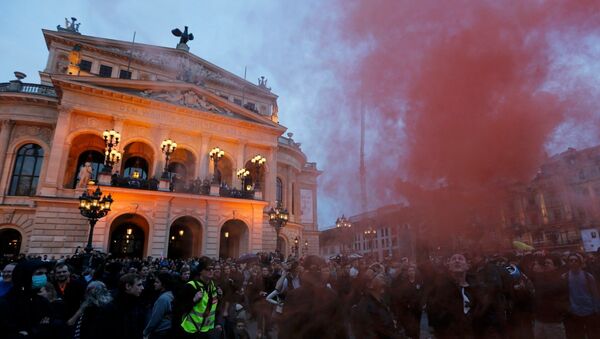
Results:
<point x="195" y="320"/>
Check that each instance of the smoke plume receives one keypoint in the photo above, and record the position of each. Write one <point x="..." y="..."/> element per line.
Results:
<point x="458" y="97"/>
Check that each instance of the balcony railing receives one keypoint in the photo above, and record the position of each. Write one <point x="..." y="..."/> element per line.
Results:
<point x="19" y="87"/>
<point x="199" y="187"/>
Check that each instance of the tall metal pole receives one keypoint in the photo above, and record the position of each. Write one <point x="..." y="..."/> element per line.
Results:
<point x="362" y="169"/>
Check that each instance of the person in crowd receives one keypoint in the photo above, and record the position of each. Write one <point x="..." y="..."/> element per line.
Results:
<point x="24" y="313"/>
<point x="160" y="322"/>
<point x="407" y="300"/>
<point x="68" y="288"/>
<point x="550" y="299"/>
<point x="303" y="304"/>
<point x="584" y="301"/>
<point x="520" y="291"/>
<point x="6" y="282"/>
<point x="129" y="312"/>
<point x="372" y="317"/>
<point x="195" y="305"/>
<point x="453" y="301"/>
<point x="95" y="317"/>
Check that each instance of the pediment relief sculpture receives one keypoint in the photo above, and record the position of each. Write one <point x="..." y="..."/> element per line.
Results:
<point x="184" y="98"/>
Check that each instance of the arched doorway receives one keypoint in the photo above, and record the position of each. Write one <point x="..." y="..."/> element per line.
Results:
<point x="84" y="147"/>
<point x="250" y="180"/>
<point x="183" y="164"/>
<point x="185" y="238"/>
<point x="10" y="243"/>
<point x="137" y="159"/>
<point x="233" y="241"/>
<point x="224" y="171"/>
<point x="128" y="236"/>
<point x="97" y="160"/>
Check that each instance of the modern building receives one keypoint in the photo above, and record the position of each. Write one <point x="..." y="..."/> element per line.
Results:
<point x="175" y="194"/>
<point x="388" y="231"/>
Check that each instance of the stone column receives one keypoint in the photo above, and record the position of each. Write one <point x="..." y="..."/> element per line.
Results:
<point x="270" y="176"/>
<point x="59" y="151"/>
<point x="7" y="126"/>
<point x="241" y="157"/>
<point x="203" y="171"/>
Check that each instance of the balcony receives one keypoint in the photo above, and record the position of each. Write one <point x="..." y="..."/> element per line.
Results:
<point x="16" y="86"/>
<point x="198" y="187"/>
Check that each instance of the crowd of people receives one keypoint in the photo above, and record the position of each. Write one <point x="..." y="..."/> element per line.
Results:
<point x="533" y="295"/>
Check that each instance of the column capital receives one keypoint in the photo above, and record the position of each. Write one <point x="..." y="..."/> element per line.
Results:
<point x="7" y="123"/>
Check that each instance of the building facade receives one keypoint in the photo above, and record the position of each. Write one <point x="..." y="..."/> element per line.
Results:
<point x="186" y="205"/>
<point x="560" y="208"/>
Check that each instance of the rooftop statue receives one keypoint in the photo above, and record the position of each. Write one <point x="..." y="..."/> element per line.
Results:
<point x="184" y="37"/>
<point x="70" y="26"/>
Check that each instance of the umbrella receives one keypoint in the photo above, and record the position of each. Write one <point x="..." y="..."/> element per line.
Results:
<point x="522" y="246"/>
<point x="247" y="258"/>
<point x="354" y="256"/>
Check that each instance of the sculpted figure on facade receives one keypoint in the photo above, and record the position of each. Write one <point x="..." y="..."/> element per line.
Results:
<point x="85" y="174"/>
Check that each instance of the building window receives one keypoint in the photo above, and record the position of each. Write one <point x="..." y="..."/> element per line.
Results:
<point x="97" y="160"/>
<point x="279" y="191"/>
<point x="237" y="101"/>
<point x="123" y="74"/>
<point x="85" y="65"/>
<point x="105" y="71"/>
<point x="224" y="97"/>
<point x="26" y="172"/>
<point x="594" y="235"/>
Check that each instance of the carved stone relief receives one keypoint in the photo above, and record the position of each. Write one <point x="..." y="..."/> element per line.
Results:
<point x="185" y="98"/>
<point x="41" y="132"/>
<point x="82" y="121"/>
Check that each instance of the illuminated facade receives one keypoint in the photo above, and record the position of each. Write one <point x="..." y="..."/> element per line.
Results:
<point x="189" y="206"/>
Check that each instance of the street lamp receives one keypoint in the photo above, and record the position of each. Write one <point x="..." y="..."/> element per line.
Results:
<point x="168" y="146"/>
<point x="242" y="174"/>
<point x="94" y="206"/>
<point x="111" y="156"/>
<point x="343" y="225"/>
<point x="258" y="161"/>
<point x="305" y="248"/>
<point x="278" y="217"/>
<point x="215" y="154"/>
<point x="370" y="234"/>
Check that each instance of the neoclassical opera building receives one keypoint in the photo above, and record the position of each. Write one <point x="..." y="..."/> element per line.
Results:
<point x="192" y="155"/>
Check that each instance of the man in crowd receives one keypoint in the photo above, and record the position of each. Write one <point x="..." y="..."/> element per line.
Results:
<point x="583" y="300"/>
<point x="68" y="288"/>
<point x="195" y="306"/>
<point x="6" y="282"/>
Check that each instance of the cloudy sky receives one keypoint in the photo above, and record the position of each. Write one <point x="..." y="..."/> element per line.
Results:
<point x="404" y="61"/>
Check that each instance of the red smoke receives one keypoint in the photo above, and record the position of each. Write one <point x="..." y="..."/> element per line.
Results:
<point x="467" y="78"/>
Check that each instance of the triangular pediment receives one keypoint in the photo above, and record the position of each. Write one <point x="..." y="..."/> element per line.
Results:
<point x="181" y="65"/>
<point x="179" y="94"/>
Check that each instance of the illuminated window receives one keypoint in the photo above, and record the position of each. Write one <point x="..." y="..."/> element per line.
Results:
<point x="279" y="191"/>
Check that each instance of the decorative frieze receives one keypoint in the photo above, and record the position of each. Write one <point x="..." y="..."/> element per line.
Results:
<point x="39" y="132"/>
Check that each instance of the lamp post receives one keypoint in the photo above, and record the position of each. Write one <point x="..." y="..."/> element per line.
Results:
<point x="258" y="161"/>
<point x="111" y="155"/>
<point x="215" y="154"/>
<point x="305" y="248"/>
<point x="370" y="234"/>
<point x="344" y="226"/>
<point x="278" y="217"/>
<point x="94" y="206"/>
<point x="242" y="174"/>
<point x="168" y="146"/>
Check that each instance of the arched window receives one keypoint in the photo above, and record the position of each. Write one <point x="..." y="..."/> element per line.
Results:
<point x="97" y="160"/>
<point x="136" y="167"/>
<point x="279" y="191"/>
<point x="26" y="172"/>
